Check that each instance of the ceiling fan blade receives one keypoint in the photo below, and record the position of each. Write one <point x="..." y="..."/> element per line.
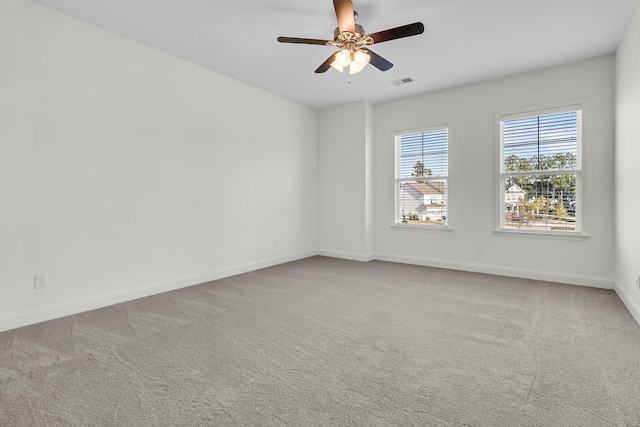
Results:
<point x="326" y="64"/>
<point x="301" y="41"/>
<point x="344" y="13"/>
<point x="398" y="32"/>
<point x="378" y="61"/>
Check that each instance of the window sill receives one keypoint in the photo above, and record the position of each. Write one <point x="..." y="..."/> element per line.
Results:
<point x="541" y="234"/>
<point x="422" y="227"/>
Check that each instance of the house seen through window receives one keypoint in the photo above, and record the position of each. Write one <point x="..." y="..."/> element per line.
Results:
<point x="421" y="169"/>
<point x="541" y="170"/>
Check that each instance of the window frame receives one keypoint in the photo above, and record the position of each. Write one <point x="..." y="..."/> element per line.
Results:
<point x="514" y="114"/>
<point x="397" y="222"/>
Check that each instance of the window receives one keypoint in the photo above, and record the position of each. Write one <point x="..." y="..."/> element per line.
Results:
<point x="540" y="173"/>
<point x="421" y="169"/>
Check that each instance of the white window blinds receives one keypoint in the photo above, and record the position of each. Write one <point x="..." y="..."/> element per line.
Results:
<point x="421" y="169"/>
<point x="541" y="170"/>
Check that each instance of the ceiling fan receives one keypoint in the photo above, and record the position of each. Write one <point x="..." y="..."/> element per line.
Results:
<point x="351" y="39"/>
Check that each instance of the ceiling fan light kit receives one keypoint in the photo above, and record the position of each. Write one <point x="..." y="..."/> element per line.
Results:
<point x="352" y="40"/>
<point x="355" y="59"/>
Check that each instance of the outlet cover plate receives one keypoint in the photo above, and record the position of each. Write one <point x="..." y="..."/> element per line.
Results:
<point x="41" y="280"/>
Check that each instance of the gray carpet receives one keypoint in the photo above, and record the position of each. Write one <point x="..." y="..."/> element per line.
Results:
<point x="331" y="342"/>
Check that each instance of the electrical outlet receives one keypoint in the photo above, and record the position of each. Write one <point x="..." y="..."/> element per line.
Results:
<point x="349" y="240"/>
<point x="41" y="280"/>
<point x="276" y="243"/>
<point x="638" y="281"/>
<point x="479" y="248"/>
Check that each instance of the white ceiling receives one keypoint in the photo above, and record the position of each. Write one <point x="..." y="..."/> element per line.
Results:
<point x="464" y="41"/>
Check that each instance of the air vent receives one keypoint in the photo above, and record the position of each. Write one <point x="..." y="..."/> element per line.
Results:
<point x="402" y="81"/>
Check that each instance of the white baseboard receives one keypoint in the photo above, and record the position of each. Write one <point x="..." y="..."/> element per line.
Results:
<point x="523" y="273"/>
<point x="352" y="256"/>
<point x="42" y="314"/>
<point x="631" y="305"/>
<point x="28" y="317"/>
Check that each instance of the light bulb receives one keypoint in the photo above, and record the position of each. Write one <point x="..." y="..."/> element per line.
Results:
<point x="360" y="60"/>
<point x="343" y="58"/>
<point x="337" y="66"/>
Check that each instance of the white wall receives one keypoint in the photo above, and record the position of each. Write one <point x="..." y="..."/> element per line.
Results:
<point x="345" y="214"/>
<point x="627" y="171"/>
<point x="125" y="171"/>
<point x="470" y="112"/>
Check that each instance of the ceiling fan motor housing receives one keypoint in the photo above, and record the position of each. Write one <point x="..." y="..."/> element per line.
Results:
<point x="359" y="32"/>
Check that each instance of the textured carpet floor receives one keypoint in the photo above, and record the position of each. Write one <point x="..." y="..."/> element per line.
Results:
<point x="330" y="342"/>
